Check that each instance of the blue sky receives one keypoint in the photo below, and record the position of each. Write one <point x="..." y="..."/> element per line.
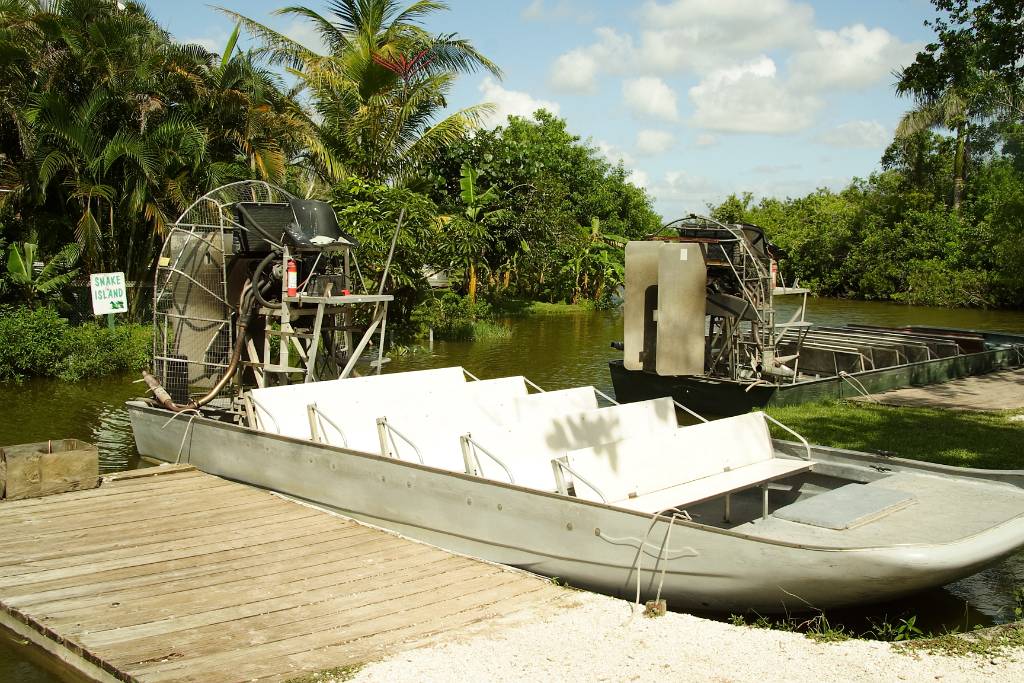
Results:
<point x="699" y="98"/>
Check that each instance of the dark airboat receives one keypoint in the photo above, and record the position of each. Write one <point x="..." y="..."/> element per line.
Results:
<point x="702" y="326"/>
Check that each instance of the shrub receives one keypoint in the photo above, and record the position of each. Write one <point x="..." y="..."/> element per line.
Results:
<point x="41" y="343"/>
<point x="454" y="318"/>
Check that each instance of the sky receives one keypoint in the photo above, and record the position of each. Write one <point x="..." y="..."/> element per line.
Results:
<point x="698" y="98"/>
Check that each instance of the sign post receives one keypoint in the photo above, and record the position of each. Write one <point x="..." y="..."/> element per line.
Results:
<point x="109" y="295"/>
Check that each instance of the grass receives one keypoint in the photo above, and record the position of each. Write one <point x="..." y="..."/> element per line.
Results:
<point x="989" y="642"/>
<point x="961" y="438"/>
<point x="335" y="675"/>
<point x="516" y="308"/>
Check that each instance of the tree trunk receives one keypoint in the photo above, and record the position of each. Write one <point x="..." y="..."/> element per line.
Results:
<point x="508" y="278"/>
<point x="472" y="283"/>
<point x="959" y="166"/>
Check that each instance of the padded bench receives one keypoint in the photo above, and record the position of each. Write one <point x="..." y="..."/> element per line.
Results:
<point x="689" y="466"/>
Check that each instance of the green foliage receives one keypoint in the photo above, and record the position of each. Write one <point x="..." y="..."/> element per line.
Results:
<point x="456" y="318"/>
<point x="48" y="284"/>
<point x="40" y="343"/>
<point x="552" y="188"/>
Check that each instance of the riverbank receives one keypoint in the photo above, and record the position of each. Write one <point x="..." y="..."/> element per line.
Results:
<point x="597" y="638"/>
<point x="987" y="440"/>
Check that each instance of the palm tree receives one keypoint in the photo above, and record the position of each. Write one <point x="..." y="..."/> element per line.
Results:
<point x="949" y="110"/>
<point x="377" y="93"/>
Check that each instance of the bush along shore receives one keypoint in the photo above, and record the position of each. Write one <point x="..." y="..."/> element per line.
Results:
<point x="40" y="343"/>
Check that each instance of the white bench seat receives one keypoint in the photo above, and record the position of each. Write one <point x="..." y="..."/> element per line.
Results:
<point x="657" y="472"/>
<point x="527" y="447"/>
<point x="708" y="488"/>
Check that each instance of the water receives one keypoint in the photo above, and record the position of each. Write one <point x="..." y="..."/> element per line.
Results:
<point x="556" y="351"/>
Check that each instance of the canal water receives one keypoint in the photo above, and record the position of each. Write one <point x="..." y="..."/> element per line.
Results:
<point x="556" y="351"/>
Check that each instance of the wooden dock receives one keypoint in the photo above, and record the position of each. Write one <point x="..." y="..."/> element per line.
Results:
<point x="169" y="574"/>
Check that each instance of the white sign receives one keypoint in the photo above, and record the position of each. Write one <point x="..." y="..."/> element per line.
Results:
<point x="108" y="293"/>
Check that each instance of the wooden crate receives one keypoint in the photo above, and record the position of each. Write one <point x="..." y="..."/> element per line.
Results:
<point x="41" y="469"/>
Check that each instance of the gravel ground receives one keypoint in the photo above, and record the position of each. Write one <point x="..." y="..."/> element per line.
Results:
<point x="593" y="638"/>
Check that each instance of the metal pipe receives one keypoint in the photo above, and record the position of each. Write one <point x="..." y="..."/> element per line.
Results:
<point x="243" y="324"/>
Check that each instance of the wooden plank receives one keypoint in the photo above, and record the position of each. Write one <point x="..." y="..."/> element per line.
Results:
<point x="223" y="602"/>
<point x="196" y="565"/>
<point x="246" y="663"/>
<point x="105" y="491"/>
<point x="422" y="627"/>
<point x="287" y="623"/>
<point x="150" y="545"/>
<point x="228" y="521"/>
<point x="367" y="544"/>
<point x="104" y="526"/>
<point x="68" y="503"/>
<point x="183" y="576"/>
<point x="126" y="558"/>
<point x="147" y="473"/>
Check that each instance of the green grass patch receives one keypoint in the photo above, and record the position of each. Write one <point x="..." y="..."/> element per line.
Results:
<point x="335" y="675"/>
<point x="990" y="642"/>
<point x="544" y="308"/>
<point x="960" y="438"/>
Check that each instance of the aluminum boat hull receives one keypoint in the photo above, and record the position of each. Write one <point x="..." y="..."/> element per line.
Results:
<point x="589" y="545"/>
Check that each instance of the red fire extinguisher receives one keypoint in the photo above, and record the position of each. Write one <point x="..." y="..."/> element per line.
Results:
<point x="293" y="278"/>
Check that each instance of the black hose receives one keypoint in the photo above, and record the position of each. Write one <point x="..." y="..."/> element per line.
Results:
<point x="256" y="285"/>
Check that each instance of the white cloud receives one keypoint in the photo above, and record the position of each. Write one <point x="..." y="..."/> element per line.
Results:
<point x="701" y="35"/>
<point x="853" y="57"/>
<point x="705" y="140"/>
<point x="650" y="96"/>
<point x="638" y="178"/>
<point x="510" y="103"/>
<point x="651" y="142"/>
<point x="574" y="72"/>
<point x="577" y="70"/>
<point x="612" y="153"/>
<point x="857" y="134"/>
<point x="748" y="98"/>
<point x="681" y="191"/>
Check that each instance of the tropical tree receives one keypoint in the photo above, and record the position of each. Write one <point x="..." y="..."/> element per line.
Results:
<point x="46" y="285"/>
<point x="378" y="92"/>
<point x="467" y="233"/>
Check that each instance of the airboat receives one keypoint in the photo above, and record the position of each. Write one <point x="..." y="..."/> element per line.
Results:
<point x="707" y="331"/>
<point x="259" y="377"/>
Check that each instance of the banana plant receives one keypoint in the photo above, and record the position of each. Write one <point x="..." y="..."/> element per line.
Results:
<point x="472" y="239"/>
<point x="47" y="284"/>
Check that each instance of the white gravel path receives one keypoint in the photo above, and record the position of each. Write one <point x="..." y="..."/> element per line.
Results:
<point x="592" y="638"/>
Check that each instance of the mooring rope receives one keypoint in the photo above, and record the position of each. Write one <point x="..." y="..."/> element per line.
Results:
<point x="195" y="413"/>
<point x="856" y="384"/>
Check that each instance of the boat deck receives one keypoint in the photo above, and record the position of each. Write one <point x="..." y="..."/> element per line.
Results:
<point x="169" y="574"/>
<point x="925" y="520"/>
<point x="1002" y="390"/>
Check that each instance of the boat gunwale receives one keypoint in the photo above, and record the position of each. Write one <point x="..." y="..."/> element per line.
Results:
<point x="143" y="406"/>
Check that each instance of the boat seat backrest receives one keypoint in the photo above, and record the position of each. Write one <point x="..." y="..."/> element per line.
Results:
<point x="347" y="401"/>
<point x="494" y="395"/>
<point x="549" y="403"/>
<point x="641" y="465"/>
<point x="527" y="447"/>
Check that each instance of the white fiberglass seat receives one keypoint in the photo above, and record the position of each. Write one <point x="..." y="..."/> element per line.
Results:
<point x="661" y="471"/>
<point x="283" y="410"/>
<point x="522" y="451"/>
